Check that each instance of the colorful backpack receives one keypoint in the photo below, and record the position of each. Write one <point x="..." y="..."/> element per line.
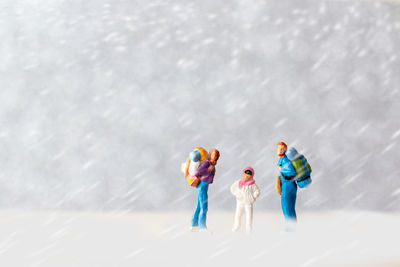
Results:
<point x="301" y="166"/>
<point x="303" y="171"/>
<point x="192" y="163"/>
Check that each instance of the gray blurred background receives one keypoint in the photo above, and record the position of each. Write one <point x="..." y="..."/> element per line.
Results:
<point x="101" y="101"/>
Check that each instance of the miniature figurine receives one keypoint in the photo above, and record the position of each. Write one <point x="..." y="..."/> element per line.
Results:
<point x="288" y="186"/>
<point x="246" y="192"/>
<point x="206" y="173"/>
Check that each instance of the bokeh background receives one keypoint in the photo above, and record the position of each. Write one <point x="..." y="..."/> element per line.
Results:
<point x="101" y="101"/>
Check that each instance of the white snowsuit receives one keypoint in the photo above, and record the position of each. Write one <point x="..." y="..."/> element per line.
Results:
<point x="245" y="197"/>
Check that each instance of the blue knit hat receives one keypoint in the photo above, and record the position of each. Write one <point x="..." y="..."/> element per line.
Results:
<point x="292" y="153"/>
<point x="195" y="155"/>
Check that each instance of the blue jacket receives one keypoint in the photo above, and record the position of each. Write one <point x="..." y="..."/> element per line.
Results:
<point x="289" y="188"/>
<point x="287" y="170"/>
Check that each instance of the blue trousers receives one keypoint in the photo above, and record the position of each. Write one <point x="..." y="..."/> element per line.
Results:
<point x="200" y="214"/>
<point x="288" y="199"/>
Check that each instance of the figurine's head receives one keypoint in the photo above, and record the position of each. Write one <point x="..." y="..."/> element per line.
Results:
<point x="292" y="153"/>
<point x="213" y="155"/>
<point x="195" y="155"/>
<point x="248" y="174"/>
<point x="281" y="149"/>
<point x="203" y="153"/>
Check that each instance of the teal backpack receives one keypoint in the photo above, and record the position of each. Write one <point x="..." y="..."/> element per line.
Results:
<point x="303" y="171"/>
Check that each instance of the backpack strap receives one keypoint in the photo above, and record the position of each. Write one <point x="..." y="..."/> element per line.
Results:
<point x="289" y="178"/>
<point x="302" y="179"/>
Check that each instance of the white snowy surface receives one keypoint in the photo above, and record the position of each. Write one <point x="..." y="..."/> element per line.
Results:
<point x="72" y="239"/>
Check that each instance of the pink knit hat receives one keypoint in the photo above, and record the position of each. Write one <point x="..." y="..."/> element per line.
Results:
<point x="249" y="182"/>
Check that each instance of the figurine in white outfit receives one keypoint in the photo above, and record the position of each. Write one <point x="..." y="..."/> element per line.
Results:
<point x="246" y="191"/>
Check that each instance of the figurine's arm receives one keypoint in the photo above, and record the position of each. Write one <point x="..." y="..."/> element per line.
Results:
<point x="234" y="188"/>
<point x="279" y="164"/>
<point x="256" y="192"/>
<point x="203" y="169"/>
<point x="211" y="169"/>
<point x="288" y="170"/>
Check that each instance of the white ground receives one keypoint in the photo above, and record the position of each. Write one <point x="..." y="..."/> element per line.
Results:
<point x="56" y="239"/>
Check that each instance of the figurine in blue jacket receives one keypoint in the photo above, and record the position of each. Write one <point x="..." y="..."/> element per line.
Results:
<point x="288" y="186"/>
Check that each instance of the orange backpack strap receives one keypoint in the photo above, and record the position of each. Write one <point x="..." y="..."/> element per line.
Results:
<point x="187" y="168"/>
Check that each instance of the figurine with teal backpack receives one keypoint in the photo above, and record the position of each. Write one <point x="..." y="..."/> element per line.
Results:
<point x="287" y="187"/>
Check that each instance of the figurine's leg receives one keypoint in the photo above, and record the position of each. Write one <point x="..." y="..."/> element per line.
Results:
<point x="285" y="207"/>
<point x="291" y="219"/>
<point x="249" y="217"/>
<point x="195" y="217"/>
<point x="292" y="207"/>
<point x="238" y="217"/>
<point x="288" y="201"/>
<point x="288" y="208"/>
<point x="203" y="205"/>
